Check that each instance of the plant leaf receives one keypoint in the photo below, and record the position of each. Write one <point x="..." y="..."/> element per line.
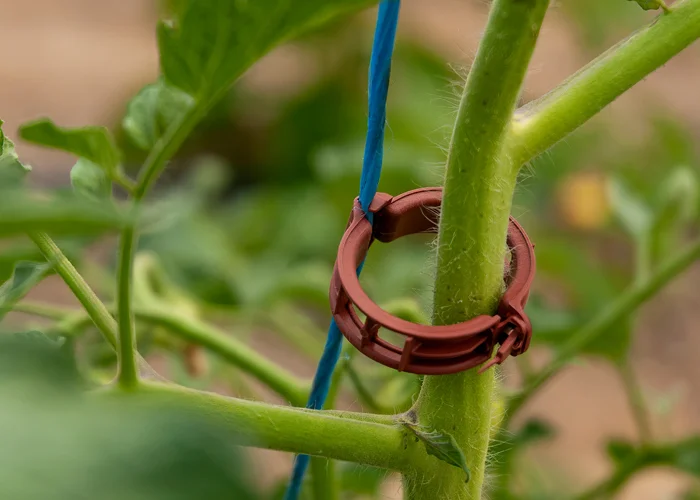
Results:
<point x="92" y="143"/>
<point x="686" y="456"/>
<point x="620" y="451"/>
<point x="152" y="111"/>
<point x="90" y="180"/>
<point x="534" y="430"/>
<point x="24" y="277"/>
<point x="209" y="44"/>
<point x="592" y="288"/>
<point x="649" y="4"/>
<point x="441" y="445"/>
<point x="677" y="205"/>
<point x="11" y="169"/>
<point x="632" y="212"/>
<point x="21" y="214"/>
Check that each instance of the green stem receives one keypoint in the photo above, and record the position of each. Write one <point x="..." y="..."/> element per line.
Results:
<point x="43" y="310"/>
<point x="165" y="148"/>
<point x="94" y="307"/>
<point x="295" y="430"/>
<point x="636" y="401"/>
<point x="247" y="359"/>
<point x="545" y="121"/>
<point x="324" y="480"/>
<point x="128" y="374"/>
<point x="625" y="305"/>
<point x="479" y="187"/>
<point x="644" y="458"/>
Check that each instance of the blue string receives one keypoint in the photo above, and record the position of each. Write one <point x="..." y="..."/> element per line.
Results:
<point x="379" y="70"/>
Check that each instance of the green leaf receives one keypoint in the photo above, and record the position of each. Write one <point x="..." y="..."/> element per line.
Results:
<point x="24" y="277"/>
<point x="592" y="287"/>
<point x="691" y="494"/>
<point x="620" y="451"/>
<point x="651" y="4"/>
<point x="22" y="214"/>
<point x="103" y="446"/>
<point x="152" y="111"/>
<point x="534" y="430"/>
<point x="92" y="143"/>
<point x="11" y="169"/>
<point x="209" y="44"/>
<point x="90" y="180"/>
<point x="634" y="215"/>
<point x="686" y="456"/>
<point x="441" y="445"/>
<point x="676" y="206"/>
<point x="552" y="325"/>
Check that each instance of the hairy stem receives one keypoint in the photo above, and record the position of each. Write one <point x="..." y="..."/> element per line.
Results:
<point x="316" y="433"/>
<point x="479" y="186"/>
<point x="545" y="121"/>
<point x="128" y="375"/>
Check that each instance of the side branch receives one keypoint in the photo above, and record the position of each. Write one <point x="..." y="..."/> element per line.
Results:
<point x="542" y="123"/>
<point x="300" y="431"/>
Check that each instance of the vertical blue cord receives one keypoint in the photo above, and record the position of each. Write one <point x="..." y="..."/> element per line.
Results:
<point x="379" y="70"/>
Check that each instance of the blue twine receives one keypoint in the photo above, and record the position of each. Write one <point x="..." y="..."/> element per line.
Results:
<point x="379" y="70"/>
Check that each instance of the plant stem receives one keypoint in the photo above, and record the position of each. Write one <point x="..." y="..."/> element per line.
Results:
<point x="296" y="430"/>
<point x="479" y="186"/>
<point x="128" y="375"/>
<point x="636" y="401"/>
<point x="42" y="310"/>
<point x="278" y="379"/>
<point x="627" y="303"/>
<point x="94" y="307"/>
<point x="612" y="484"/>
<point x="545" y="121"/>
<point x="165" y="148"/>
<point x="248" y="360"/>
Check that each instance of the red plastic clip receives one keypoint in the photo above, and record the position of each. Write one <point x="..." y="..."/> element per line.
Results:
<point x="428" y="350"/>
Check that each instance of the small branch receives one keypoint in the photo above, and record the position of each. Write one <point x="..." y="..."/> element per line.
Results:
<point x="636" y="401"/>
<point x="42" y="310"/>
<point x="125" y="182"/>
<point x="247" y="359"/>
<point x="128" y="375"/>
<point x="544" y="122"/>
<point x="294" y="430"/>
<point x="627" y="303"/>
<point x="284" y="383"/>
<point x="165" y="148"/>
<point x="610" y="485"/>
<point x="96" y="310"/>
<point x="94" y="307"/>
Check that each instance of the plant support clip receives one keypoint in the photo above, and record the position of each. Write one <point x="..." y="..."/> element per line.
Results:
<point x="428" y="350"/>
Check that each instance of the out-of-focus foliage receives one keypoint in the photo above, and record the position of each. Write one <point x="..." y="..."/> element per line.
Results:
<point x="64" y="444"/>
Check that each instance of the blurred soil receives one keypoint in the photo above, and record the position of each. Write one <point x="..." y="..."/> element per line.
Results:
<point x="79" y="60"/>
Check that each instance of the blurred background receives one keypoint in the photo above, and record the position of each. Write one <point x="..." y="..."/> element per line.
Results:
<point x="264" y="186"/>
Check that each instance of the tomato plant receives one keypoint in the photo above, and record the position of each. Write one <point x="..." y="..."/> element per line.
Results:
<point x="437" y="431"/>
